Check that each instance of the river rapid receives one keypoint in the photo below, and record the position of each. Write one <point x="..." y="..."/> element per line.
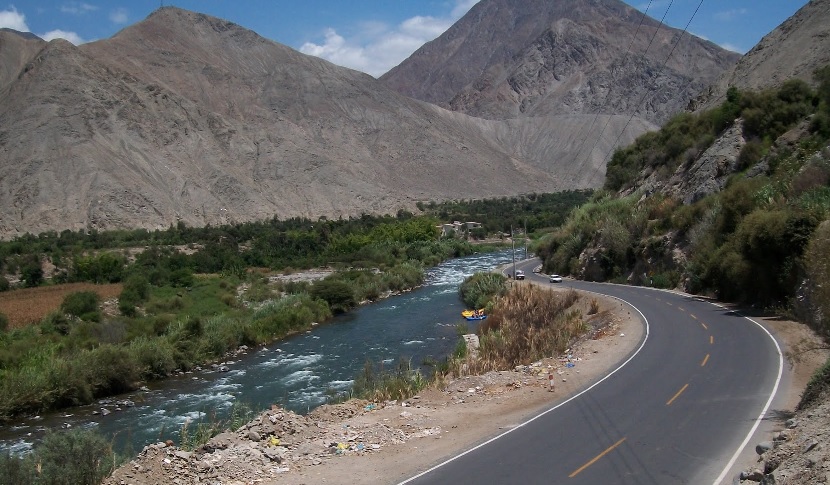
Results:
<point x="298" y="373"/>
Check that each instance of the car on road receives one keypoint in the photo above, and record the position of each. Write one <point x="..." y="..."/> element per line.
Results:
<point x="555" y="278"/>
<point x="520" y="275"/>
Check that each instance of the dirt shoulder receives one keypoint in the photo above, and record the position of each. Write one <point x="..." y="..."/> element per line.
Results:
<point x="372" y="443"/>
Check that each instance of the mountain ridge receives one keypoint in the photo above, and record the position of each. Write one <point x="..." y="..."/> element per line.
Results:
<point x="185" y="117"/>
<point x="566" y="56"/>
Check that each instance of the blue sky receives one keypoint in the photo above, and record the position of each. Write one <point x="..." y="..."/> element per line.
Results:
<point x="369" y="35"/>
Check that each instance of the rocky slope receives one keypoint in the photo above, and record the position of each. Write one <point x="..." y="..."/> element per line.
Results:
<point x="509" y="58"/>
<point x="186" y="117"/>
<point x="793" y="50"/>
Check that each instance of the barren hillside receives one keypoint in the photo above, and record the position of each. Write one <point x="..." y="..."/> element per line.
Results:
<point x="793" y="50"/>
<point x="187" y="117"/>
<point x="528" y="58"/>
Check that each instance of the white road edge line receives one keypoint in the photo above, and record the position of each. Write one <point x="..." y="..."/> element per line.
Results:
<point x="766" y="406"/>
<point x="534" y="418"/>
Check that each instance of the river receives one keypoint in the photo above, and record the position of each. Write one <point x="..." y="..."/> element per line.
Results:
<point x="298" y="373"/>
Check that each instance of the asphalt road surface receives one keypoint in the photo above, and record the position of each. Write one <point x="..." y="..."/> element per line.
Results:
<point x="678" y="411"/>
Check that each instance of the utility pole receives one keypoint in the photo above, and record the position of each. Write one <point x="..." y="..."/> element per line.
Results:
<point x="525" y="238"/>
<point x="513" y="242"/>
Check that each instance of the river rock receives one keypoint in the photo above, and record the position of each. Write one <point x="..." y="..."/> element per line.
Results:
<point x="254" y="436"/>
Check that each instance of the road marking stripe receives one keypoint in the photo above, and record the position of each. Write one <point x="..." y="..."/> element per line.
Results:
<point x="711" y="339"/>
<point x="766" y="406"/>
<point x="608" y="450"/>
<point x="704" y="326"/>
<point x="677" y="395"/>
<point x="693" y="316"/>
<point x="647" y="332"/>
<point x="705" y="359"/>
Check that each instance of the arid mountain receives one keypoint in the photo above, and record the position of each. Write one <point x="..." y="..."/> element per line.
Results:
<point x="16" y="48"/>
<point x="794" y="49"/>
<point x="186" y="117"/>
<point x="516" y="58"/>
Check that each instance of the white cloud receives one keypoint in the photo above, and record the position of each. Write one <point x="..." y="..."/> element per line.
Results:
<point x="62" y="34"/>
<point x="732" y="47"/>
<point x="78" y="8"/>
<point x="728" y="15"/>
<point x="378" y="48"/>
<point x="119" y="16"/>
<point x="12" y="19"/>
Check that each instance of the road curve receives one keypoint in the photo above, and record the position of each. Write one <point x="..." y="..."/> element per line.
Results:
<point x="678" y="412"/>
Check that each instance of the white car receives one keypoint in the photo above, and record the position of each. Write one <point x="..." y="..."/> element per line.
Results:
<point x="520" y="275"/>
<point x="555" y="278"/>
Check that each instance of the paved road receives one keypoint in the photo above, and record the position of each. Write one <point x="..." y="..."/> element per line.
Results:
<point x="676" y="413"/>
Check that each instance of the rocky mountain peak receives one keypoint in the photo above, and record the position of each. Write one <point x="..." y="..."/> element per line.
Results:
<point x="509" y="59"/>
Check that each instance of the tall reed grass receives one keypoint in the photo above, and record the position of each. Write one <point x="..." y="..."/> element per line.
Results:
<point x="526" y="324"/>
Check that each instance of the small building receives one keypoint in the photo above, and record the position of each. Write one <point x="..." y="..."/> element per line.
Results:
<point x="458" y="228"/>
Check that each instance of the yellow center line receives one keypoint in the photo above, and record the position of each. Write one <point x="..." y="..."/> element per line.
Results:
<point x="704" y="325"/>
<point x="681" y="309"/>
<point x="676" y="395"/>
<point x="705" y="359"/>
<point x="583" y="467"/>
<point x="711" y="339"/>
<point x="693" y="316"/>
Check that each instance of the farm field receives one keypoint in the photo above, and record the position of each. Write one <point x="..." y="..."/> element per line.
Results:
<point x="29" y="305"/>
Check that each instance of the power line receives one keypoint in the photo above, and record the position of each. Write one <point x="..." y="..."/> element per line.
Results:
<point x="611" y="87"/>
<point x="647" y="92"/>
<point x="599" y="137"/>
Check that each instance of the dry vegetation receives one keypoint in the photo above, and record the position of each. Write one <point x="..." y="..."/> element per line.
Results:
<point x="528" y="323"/>
<point x="30" y="305"/>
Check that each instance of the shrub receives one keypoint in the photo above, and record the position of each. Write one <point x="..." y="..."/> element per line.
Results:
<point x="750" y="154"/>
<point x="816" y="388"/>
<point x="337" y="293"/>
<point x="154" y="357"/>
<point x="4" y="322"/>
<point x="56" y="322"/>
<point x="109" y="370"/>
<point x="181" y="278"/>
<point x="82" y="304"/>
<point x="4" y="284"/>
<point x="380" y="384"/>
<point x="817" y="267"/>
<point x="17" y="470"/>
<point x="479" y="289"/>
<point x="77" y="457"/>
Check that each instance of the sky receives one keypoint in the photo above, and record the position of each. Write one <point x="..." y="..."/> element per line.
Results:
<point x="370" y="35"/>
